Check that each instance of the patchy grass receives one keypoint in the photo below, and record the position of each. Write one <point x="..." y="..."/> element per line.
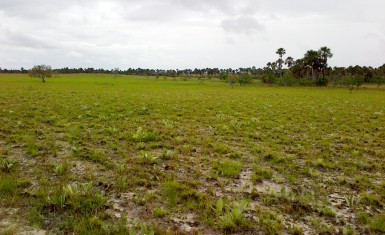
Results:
<point x="118" y="155"/>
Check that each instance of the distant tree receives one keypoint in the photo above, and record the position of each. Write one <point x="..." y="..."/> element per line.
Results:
<point x="223" y="76"/>
<point x="116" y="72"/>
<point x="298" y="69"/>
<point x="244" y="78"/>
<point x="313" y="60"/>
<point x="281" y="52"/>
<point x="269" y="78"/>
<point x="232" y="79"/>
<point x="41" y="71"/>
<point x="22" y="70"/>
<point x="353" y="82"/>
<point x="289" y="62"/>
<point x="379" y="80"/>
<point x="272" y="67"/>
<point x="324" y="53"/>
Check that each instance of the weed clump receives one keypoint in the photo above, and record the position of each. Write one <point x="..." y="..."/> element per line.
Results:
<point x="142" y="136"/>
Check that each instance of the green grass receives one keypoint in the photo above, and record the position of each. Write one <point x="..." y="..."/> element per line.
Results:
<point x="100" y="148"/>
<point x="229" y="168"/>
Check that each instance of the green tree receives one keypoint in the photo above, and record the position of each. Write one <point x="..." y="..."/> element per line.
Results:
<point x="41" y="71"/>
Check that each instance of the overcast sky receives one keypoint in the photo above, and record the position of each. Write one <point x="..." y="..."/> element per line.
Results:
<point x="187" y="33"/>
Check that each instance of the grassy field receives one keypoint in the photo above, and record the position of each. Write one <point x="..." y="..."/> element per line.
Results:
<point x="97" y="154"/>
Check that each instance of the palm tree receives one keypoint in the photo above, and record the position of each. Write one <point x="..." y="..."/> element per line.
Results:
<point x="289" y="62"/>
<point x="324" y="54"/>
<point x="280" y="51"/>
<point x="312" y="59"/>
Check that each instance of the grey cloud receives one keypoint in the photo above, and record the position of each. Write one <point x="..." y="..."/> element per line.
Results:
<point x="27" y="40"/>
<point x="242" y="24"/>
<point x="163" y="33"/>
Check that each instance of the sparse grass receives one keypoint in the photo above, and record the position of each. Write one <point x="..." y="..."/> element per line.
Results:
<point x="8" y="186"/>
<point x="101" y="154"/>
<point x="296" y="230"/>
<point x="260" y="174"/>
<point x="378" y="223"/>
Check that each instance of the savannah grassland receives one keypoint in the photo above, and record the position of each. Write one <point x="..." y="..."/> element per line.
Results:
<point x="97" y="154"/>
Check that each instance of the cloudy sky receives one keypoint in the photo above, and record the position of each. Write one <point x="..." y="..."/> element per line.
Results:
<point x="187" y="33"/>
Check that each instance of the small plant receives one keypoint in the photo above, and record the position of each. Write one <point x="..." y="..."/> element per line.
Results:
<point x="171" y="191"/>
<point x="168" y="123"/>
<point x="144" y="230"/>
<point x="167" y="154"/>
<point x="363" y="218"/>
<point x="326" y="211"/>
<point x="142" y="136"/>
<point x="7" y="165"/>
<point x="120" y="167"/>
<point x="321" y="163"/>
<point x="371" y="200"/>
<point x="147" y="158"/>
<point x="313" y="173"/>
<point x="271" y="223"/>
<point x="32" y="150"/>
<point x="121" y="183"/>
<point x="60" y="199"/>
<point x="227" y="222"/>
<point x="61" y="168"/>
<point x="219" y="207"/>
<point x="348" y="231"/>
<point x="231" y="215"/>
<point x="160" y="212"/>
<point x="352" y="201"/>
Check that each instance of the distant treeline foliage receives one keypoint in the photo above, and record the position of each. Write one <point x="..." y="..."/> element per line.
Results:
<point x="312" y="69"/>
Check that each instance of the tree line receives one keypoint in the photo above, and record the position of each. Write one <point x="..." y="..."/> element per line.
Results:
<point x="311" y="69"/>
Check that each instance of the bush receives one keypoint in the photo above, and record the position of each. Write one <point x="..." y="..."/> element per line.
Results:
<point x="245" y="78"/>
<point x="287" y="79"/>
<point x="322" y="82"/>
<point x="269" y="78"/>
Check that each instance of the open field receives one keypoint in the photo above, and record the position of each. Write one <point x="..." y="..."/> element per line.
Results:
<point x="103" y="155"/>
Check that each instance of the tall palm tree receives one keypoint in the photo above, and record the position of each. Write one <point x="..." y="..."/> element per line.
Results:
<point x="312" y="59"/>
<point x="280" y="51"/>
<point x="324" y="54"/>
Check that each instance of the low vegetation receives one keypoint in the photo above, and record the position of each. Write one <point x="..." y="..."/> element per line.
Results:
<point x="106" y="154"/>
